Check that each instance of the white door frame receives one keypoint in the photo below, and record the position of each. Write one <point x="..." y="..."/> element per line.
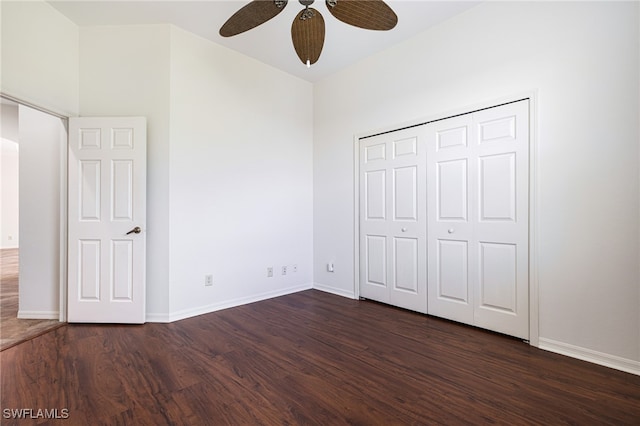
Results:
<point x="64" y="231"/>
<point x="62" y="226"/>
<point x="533" y="194"/>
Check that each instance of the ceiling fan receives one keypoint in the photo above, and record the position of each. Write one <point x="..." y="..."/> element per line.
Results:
<point x="307" y="30"/>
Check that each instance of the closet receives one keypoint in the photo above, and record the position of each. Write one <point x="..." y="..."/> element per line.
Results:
<point x="444" y="218"/>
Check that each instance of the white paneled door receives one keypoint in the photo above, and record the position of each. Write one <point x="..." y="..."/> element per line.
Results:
<point x="393" y="219"/>
<point x="444" y="218"/>
<point x="477" y="196"/>
<point x="107" y="220"/>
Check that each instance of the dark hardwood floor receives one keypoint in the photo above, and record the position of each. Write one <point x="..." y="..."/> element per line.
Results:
<point x="12" y="329"/>
<point x="308" y="358"/>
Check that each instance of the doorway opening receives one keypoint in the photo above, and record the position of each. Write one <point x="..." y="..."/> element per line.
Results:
<point x="32" y="215"/>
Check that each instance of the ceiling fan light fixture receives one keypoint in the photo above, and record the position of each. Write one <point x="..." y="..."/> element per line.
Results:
<point x="308" y="29"/>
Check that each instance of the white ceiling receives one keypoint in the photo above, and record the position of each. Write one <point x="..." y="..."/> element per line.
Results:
<point x="270" y="42"/>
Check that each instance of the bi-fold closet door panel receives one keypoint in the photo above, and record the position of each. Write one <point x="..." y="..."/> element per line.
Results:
<point x="444" y="218"/>
<point x="478" y="218"/>
<point x="450" y="205"/>
<point x="393" y="219"/>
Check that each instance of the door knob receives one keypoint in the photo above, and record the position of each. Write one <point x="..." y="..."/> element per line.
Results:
<point x="450" y="230"/>
<point x="404" y="229"/>
<point x="135" y="230"/>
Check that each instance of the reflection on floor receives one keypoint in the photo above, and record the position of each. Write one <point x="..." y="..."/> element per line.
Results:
<point x="12" y="329"/>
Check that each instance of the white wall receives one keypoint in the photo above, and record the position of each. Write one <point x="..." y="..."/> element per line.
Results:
<point x="247" y="126"/>
<point x="39" y="65"/>
<point x="43" y="142"/>
<point x="581" y="58"/>
<point x="9" y="212"/>
<point x="124" y="71"/>
<point x="39" y="56"/>
<point x="583" y="61"/>
<point x="9" y="232"/>
<point x="241" y="177"/>
<point x="9" y="119"/>
<point x="229" y="163"/>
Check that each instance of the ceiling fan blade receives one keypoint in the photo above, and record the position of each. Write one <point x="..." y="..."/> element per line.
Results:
<point x="367" y="14"/>
<point x="308" y="35"/>
<point x="251" y="15"/>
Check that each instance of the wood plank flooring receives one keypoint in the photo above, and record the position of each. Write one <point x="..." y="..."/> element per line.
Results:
<point x="308" y="358"/>
<point x="12" y="329"/>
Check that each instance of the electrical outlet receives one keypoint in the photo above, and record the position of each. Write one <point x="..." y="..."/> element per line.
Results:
<point x="269" y="271"/>
<point x="295" y="268"/>
<point x="284" y="270"/>
<point x="208" y="280"/>
<point x="330" y="267"/>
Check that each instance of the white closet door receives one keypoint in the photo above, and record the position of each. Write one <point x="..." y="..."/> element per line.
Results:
<point x="393" y="219"/>
<point x="501" y="139"/>
<point x="450" y="211"/>
<point x="477" y="173"/>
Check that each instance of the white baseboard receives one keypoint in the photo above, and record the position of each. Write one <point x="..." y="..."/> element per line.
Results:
<point x="589" y="355"/>
<point x="333" y="290"/>
<point x="151" y="317"/>
<point x="207" y="309"/>
<point x="39" y="315"/>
